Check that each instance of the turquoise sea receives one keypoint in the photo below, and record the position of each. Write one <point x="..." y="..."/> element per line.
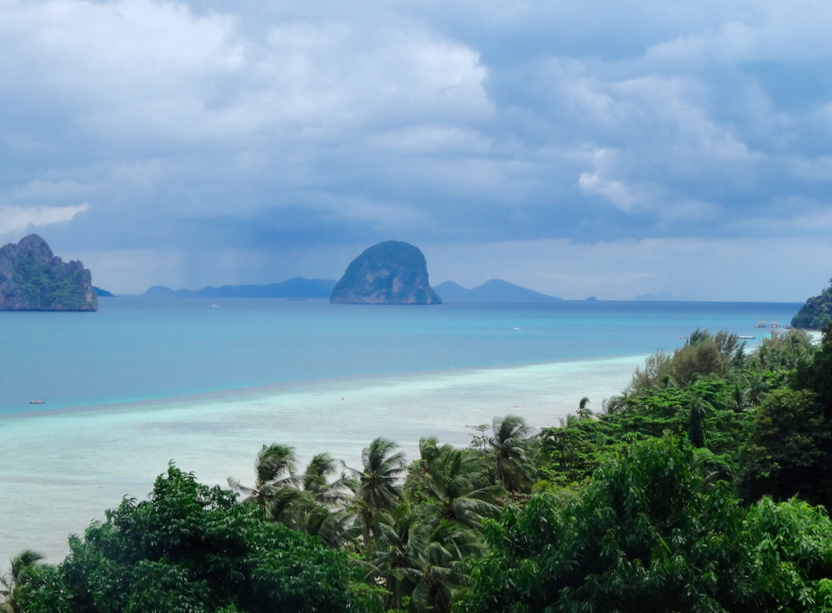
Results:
<point x="146" y="381"/>
<point x="139" y="349"/>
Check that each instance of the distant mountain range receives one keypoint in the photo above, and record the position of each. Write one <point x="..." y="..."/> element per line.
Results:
<point x="292" y="288"/>
<point x="495" y="290"/>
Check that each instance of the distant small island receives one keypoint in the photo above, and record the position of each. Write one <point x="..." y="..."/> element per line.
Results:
<point x="393" y="272"/>
<point x="102" y="293"/>
<point x="33" y="279"/>
<point x="297" y="287"/>
<point x="495" y="290"/>
<point x="660" y="297"/>
<point x="817" y="312"/>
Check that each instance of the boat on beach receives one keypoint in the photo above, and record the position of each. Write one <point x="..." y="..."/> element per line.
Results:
<point x="37" y="402"/>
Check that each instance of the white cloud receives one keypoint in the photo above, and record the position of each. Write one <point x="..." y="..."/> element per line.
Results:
<point x="158" y="71"/>
<point x="14" y="219"/>
<point x="428" y="139"/>
<point x="331" y="122"/>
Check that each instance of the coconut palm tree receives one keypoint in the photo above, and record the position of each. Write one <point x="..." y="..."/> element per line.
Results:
<point x="415" y="486"/>
<point x="274" y="468"/>
<point x="312" y="501"/>
<point x="460" y="490"/>
<point x="441" y="572"/>
<point x="614" y="404"/>
<point x="13" y="581"/>
<point x="584" y="411"/>
<point x="376" y="485"/>
<point x="288" y="506"/>
<point x="317" y="481"/>
<point x="429" y="451"/>
<point x="512" y="452"/>
<point x="401" y="539"/>
<point x="319" y="507"/>
<point x="335" y="529"/>
<point x="738" y="398"/>
<point x="696" y="421"/>
<point x="757" y="389"/>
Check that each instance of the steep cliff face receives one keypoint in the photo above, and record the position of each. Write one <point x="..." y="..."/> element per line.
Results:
<point x="388" y="273"/>
<point x="33" y="279"/>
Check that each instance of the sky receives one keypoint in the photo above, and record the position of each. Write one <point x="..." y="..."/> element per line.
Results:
<point x="576" y="148"/>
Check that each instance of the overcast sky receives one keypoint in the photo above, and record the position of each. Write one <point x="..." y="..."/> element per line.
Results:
<point x="578" y="148"/>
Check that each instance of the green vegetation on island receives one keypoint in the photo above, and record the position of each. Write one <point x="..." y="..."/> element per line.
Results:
<point x="817" y="312"/>
<point x="392" y="272"/>
<point x="33" y="279"/>
<point x="703" y="487"/>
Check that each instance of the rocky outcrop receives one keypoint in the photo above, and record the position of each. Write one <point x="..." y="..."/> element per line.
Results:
<point x="817" y="312"/>
<point x="388" y="273"/>
<point x="33" y="279"/>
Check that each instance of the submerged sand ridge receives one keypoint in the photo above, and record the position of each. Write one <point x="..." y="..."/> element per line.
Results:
<point x="64" y="469"/>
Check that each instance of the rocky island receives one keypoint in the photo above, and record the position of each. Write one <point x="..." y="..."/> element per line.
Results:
<point x="33" y="279"/>
<point x="392" y="272"/>
<point x="817" y="312"/>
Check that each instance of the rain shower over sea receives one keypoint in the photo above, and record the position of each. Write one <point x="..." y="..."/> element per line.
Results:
<point x="145" y="381"/>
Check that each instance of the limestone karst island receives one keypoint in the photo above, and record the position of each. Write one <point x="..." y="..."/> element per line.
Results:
<point x="392" y="272"/>
<point x="33" y="279"/>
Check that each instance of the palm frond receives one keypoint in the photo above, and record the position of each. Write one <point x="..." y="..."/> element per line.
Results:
<point x="274" y="463"/>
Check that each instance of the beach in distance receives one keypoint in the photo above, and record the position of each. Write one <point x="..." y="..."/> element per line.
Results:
<point x="143" y="382"/>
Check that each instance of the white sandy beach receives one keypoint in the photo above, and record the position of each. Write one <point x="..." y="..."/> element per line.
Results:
<point x="64" y="469"/>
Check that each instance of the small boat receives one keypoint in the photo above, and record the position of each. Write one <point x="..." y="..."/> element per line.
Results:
<point x="36" y="402"/>
<point x="215" y="306"/>
<point x="516" y="328"/>
<point x="746" y="338"/>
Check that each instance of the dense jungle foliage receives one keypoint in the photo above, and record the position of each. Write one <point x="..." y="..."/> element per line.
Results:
<point x="704" y="487"/>
<point x="50" y="285"/>
<point x="817" y="312"/>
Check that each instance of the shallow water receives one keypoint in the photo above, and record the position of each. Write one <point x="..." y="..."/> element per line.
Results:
<point x="152" y="381"/>
<point x="64" y="469"/>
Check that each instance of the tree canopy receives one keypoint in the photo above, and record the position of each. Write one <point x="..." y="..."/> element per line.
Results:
<point x="649" y="535"/>
<point x="192" y="548"/>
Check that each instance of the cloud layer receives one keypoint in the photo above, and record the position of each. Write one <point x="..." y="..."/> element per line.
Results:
<point x="15" y="219"/>
<point x="287" y="130"/>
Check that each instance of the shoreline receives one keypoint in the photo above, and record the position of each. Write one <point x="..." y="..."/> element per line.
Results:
<point x="82" y="462"/>
<point x="238" y="393"/>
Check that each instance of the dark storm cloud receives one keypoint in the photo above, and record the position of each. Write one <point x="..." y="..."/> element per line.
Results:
<point x="136" y="126"/>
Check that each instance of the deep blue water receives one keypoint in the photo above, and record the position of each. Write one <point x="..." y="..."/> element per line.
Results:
<point x="140" y="348"/>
